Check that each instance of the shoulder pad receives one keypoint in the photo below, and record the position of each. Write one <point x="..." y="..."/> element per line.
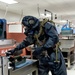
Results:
<point x="48" y="25"/>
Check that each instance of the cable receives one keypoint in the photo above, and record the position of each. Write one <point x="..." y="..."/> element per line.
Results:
<point x="6" y="11"/>
<point x="38" y="9"/>
<point x="21" y="15"/>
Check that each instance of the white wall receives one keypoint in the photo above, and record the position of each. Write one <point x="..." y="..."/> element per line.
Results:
<point x="10" y="17"/>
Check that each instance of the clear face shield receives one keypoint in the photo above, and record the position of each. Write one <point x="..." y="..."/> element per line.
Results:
<point x="27" y="30"/>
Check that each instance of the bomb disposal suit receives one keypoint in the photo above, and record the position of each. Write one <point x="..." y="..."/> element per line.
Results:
<point x="45" y="38"/>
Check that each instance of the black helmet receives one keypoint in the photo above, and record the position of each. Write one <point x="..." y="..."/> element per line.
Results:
<point x="30" y="22"/>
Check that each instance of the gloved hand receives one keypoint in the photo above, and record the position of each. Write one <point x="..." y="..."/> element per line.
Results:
<point x="10" y="52"/>
<point x="38" y="51"/>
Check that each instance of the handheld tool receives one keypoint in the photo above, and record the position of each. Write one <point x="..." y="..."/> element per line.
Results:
<point x="56" y="53"/>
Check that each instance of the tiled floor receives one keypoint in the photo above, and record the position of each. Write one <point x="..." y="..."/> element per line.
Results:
<point x="70" y="72"/>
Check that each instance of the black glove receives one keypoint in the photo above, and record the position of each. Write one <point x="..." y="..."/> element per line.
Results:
<point x="10" y="52"/>
<point x="38" y="51"/>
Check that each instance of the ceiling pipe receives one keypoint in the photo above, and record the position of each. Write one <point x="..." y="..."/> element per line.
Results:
<point x="49" y="12"/>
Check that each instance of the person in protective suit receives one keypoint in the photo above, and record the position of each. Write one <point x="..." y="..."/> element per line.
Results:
<point x="44" y="36"/>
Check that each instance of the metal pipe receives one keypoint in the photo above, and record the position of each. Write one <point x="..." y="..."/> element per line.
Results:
<point x="49" y="12"/>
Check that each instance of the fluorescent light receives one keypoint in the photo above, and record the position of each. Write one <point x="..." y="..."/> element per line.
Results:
<point x="62" y="21"/>
<point x="9" y="1"/>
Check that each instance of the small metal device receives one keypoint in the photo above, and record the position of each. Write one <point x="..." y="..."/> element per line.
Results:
<point x="16" y="60"/>
<point x="56" y="53"/>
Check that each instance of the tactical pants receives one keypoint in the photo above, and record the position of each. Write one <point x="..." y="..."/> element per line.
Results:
<point x="47" y="64"/>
